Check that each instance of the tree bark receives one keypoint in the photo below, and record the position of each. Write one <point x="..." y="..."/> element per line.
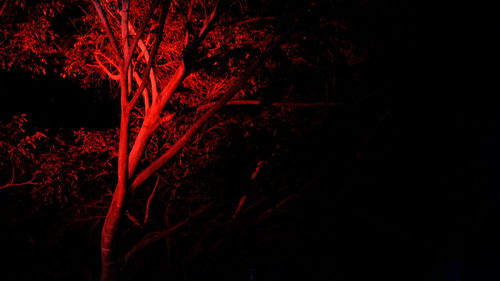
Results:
<point x="109" y="264"/>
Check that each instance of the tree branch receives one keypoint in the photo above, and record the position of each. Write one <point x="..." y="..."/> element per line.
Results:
<point x="159" y="31"/>
<point x="11" y="182"/>
<point x="145" y="93"/>
<point x="146" y="130"/>
<point x="142" y="28"/>
<point x="107" y="28"/>
<point x="250" y="20"/>
<point x="189" y="27"/>
<point x="276" y="104"/>
<point x="17" y="184"/>
<point x="150" y="199"/>
<point x="124" y="30"/>
<point x="209" y="21"/>
<point x="207" y="26"/>
<point x="111" y="75"/>
<point x="145" y="54"/>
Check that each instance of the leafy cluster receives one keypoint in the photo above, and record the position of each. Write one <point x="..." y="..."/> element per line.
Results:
<point x="27" y="37"/>
<point x="58" y="168"/>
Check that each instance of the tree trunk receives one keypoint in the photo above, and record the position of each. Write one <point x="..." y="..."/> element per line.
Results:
<point x="109" y="265"/>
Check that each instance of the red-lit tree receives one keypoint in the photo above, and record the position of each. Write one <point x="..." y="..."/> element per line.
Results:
<point x="122" y="57"/>
<point x="176" y="64"/>
<point x="185" y="56"/>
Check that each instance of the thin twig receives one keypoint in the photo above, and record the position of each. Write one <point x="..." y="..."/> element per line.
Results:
<point x="133" y="219"/>
<point x="17" y="184"/>
<point x="111" y="75"/>
<point x="240" y="205"/>
<point x="12" y="184"/>
<point x="150" y="199"/>
<point x="245" y="21"/>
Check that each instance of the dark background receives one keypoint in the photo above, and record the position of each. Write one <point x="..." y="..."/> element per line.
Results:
<point x="411" y="196"/>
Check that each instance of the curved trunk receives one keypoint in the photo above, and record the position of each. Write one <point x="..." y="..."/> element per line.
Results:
<point x="109" y="266"/>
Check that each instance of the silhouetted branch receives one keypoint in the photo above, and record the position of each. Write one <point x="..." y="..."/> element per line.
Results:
<point x="276" y="104"/>
<point x="157" y="236"/>
<point x="150" y="199"/>
<point x="245" y="21"/>
<point x="107" y="27"/>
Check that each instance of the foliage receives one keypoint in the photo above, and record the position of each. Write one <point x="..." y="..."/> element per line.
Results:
<point x="58" y="168"/>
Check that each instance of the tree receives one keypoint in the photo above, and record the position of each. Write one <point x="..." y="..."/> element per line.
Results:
<point x="167" y="57"/>
<point x="128" y="180"/>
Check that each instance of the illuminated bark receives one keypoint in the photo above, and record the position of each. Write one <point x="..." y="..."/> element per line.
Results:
<point x="109" y="267"/>
<point x="109" y="261"/>
<point x="128" y="177"/>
